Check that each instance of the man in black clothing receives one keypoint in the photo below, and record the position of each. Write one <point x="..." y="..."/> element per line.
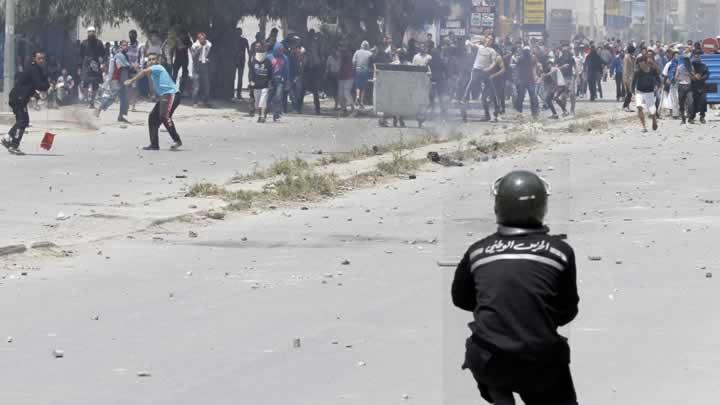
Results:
<point x="30" y="83"/>
<point x="181" y="58"/>
<point x="241" y="52"/>
<point x="645" y="83"/>
<point x="313" y="70"/>
<point x="594" y="66"/>
<point x="566" y="63"/>
<point x="438" y="79"/>
<point x="700" y="74"/>
<point x="259" y="39"/>
<point x="526" y="82"/>
<point x="260" y="77"/>
<point x="520" y="284"/>
<point x="93" y="55"/>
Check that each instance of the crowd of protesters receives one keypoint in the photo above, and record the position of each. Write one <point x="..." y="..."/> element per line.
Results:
<point x="479" y="72"/>
<point x="496" y="74"/>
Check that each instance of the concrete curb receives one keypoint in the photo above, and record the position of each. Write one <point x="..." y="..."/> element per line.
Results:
<point x="12" y="250"/>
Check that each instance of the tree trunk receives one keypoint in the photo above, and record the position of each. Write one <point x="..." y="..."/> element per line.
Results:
<point x="352" y="30"/>
<point x="222" y="80"/>
<point x="297" y="24"/>
<point x="263" y="26"/>
<point x="393" y="24"/>
<point x="374" y="34"/>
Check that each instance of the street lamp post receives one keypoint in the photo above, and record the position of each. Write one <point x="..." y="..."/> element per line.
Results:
<point x="9" y="74"/>
<point x="9" y="44"/>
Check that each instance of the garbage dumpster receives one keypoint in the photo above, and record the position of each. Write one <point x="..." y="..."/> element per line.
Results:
<point x="401" y="91"/>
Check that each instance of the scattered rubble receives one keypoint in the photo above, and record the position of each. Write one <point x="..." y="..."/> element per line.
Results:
<point x="443" y="160"/>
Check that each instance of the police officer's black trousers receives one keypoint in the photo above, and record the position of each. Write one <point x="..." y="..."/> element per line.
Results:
<point x="22" y="121"/>
<point x="538" y="383"/>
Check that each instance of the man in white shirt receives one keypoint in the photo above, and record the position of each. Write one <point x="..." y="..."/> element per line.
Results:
<point x="485" y="62"/>
<point x="422" y="58"/>
<point x="201" y="70"/>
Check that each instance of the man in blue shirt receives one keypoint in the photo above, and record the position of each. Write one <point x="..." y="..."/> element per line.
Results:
<point x="616" y="71"/>
<point x="168" y="100"/>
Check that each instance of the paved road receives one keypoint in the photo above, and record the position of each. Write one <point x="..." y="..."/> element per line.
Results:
<point x="102" y="172"/>
<point x="214" y="318"/>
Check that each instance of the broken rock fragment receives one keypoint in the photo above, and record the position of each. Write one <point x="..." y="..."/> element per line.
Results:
<point x="216" y="215"/>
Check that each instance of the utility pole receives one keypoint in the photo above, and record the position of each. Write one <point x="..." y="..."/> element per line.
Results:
<point x="649" y="18"/>
<point x="593" y="29"/>
<point x="9" y="48"/>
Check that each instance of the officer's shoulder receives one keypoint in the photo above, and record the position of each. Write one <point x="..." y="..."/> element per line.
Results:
<point x="560" y="242"/>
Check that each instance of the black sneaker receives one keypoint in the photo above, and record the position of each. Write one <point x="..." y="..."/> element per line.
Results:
<point x="691" y="122"/>
<point x="655" y="125"/>
<point x="702" y="120"/>
<point x="16" y="151"/>
<point x="151" y="147"/>
<point x="175" y="146"/>
<point x="124" y="120"/>
<point x="5" y="143"/>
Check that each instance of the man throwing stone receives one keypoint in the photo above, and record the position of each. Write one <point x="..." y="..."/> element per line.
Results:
<point x="30" y="83"/>
<point x="168" y="100"/>
<point x="520" y="284"/>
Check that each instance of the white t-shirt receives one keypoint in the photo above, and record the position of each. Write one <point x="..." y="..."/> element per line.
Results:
<point x="580" y="63"/>
<point x="666" y="69"/>
<point x="422" y="60"/>
<point x="485" y="58"/>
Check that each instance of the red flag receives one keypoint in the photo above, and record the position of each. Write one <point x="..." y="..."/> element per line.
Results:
<point x="47" y="141"/>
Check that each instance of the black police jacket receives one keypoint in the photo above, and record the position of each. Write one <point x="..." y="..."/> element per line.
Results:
<point x="521" y="286"/>
<point x="33" y="79"/>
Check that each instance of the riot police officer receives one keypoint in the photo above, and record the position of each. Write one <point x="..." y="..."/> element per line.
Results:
<point x="520" y="284"/>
